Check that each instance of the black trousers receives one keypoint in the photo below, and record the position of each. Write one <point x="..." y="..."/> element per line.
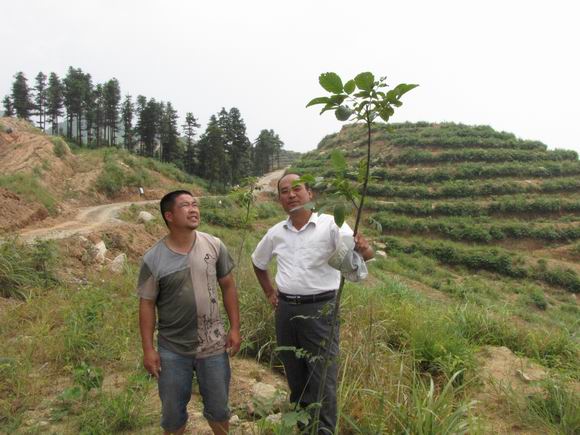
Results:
<point x="306" y="327"/>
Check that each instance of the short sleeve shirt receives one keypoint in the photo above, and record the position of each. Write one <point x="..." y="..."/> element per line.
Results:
<point x="302" y="255"/>
<point x="184" y="288"/>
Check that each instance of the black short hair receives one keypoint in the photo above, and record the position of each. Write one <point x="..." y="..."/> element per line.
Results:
<point x="292" y="173"/>
<point x="168" y="201"/>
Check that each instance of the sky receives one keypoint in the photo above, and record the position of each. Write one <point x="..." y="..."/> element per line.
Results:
<point x="513" y="65"/>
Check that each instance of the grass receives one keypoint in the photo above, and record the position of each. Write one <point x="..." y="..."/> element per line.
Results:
<point x="407" y="366"/>
<point x="29" y="187"/>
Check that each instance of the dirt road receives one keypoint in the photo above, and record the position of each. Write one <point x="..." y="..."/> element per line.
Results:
<point x="87" y="220"/>
<point x="268" y="182"/>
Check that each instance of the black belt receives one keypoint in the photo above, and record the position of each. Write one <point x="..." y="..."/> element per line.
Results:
<point x="307" y="299"/>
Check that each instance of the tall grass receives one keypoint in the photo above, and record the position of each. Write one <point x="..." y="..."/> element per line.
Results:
<point x="29" y="187"/>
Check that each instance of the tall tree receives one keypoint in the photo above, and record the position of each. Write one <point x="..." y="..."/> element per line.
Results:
<point x="8" y="107"/>
<point x="147" y="127"/>
<point x="168" y="133"/>
<point x="112" y="98"/>
<point x="21" y="100"/>
<point x="74" y="88"/>
<point x="139" y="107"/>
<point x="212" y="162"/>
<point x="239" y="147"/>
<point x="89" y="108"/>
<point x="40" y="99"/>
<point x="127" y="112"/>
<point x="266" y="146"/>
<point x="190" y="151"/>
<point x="54" y="101"/>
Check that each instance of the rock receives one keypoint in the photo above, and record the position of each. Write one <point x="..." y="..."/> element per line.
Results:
<point x="266" y="399"/>
<point x="234" y="420"/>
<point x="264" y="391"/>
<point x="100" y="251"/>
<point x="118" y="264"/>
<point x="145" y="217"/>
<point x="274" y="418"/>
<point x="382" y="253"/>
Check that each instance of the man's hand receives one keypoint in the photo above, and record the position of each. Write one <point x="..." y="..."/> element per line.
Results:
<point x="361" y="245"/>
<point x="152" y="362"/>
<point x="233" y="342"/>
<point x="273" y="298"/>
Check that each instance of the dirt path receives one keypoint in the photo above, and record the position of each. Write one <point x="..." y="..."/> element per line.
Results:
<point x="88" y="219"/>
<point x="268" y="182"/>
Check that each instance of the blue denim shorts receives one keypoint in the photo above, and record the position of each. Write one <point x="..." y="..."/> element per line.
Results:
<point x="175" y="380"/>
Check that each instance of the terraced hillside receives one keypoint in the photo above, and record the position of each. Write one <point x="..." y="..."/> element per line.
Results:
<point x="478" y="215"/>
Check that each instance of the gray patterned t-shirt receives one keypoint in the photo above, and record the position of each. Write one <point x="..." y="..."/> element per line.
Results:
<point x="184" y="288"/>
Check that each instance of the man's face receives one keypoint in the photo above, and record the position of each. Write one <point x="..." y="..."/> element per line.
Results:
<point x="293" y="197"/>
<point x="185" y="213"/>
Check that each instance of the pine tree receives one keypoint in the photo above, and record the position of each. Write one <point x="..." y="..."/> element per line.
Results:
<point x="267" y="146"/>
<point x="8" y="107"/>
<point x="54" y="101"/>
<point x="89" y="108"/>
<point x="40" y="99"/>
<point x="140" y="106"/>
<point x="147" y="127"/>
<point x="127" y="112"/>
<point x="112" y="98"/>
<point x="168" y="134"/>
<point x="190" y="152"/>
<point x="21" y="96"/>
<point x="239" y="147"/>
<point x="212" y="162"/>
<point x="74" y="88"/>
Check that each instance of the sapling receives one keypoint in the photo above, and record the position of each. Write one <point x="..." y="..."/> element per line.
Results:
<point x="362" y="99"/>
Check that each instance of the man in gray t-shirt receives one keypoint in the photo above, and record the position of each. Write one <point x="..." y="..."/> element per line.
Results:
<point x="178" y="282"/>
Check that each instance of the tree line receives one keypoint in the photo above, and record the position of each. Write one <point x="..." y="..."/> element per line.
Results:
<point x="95" y="115"/>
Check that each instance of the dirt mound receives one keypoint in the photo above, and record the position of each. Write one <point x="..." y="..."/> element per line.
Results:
<point x="500" y="371"/>
<point x="17" y="213"/>
<point x="24" y="149"/>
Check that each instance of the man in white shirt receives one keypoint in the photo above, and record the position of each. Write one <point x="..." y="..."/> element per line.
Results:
<point x="304" y="293"/>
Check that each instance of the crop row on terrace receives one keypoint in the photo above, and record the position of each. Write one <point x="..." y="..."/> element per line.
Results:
<point x="462" y="189"/>
<point x="464" y="230"/>
<point x="463" y="171"/>
<point x="494" y="259"/>
<point x="527" y="206"/>
<point x="445" y="135"/>
<point x="417" y="155"/>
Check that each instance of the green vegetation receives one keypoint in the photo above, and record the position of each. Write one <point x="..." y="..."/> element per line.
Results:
<point x="60" y="146"/>
<point x="29" y="187"/>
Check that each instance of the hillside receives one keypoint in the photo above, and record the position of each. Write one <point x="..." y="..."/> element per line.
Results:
<point x="468" y="322"/>
<point x="480" y="219"/>
<point x="41" y="177"/>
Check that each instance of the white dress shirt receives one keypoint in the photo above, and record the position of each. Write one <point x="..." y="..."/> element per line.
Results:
<point x="302" y="255"/>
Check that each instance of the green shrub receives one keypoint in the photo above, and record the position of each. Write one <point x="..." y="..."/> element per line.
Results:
<point x="24" y="267"/>
<point x="29" y="187"/>
<point x="59" y="146"/>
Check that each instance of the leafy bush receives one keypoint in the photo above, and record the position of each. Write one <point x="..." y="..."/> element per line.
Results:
<point x="59" y="147"/>
<point x="24" y="267"/>
<point x="28" y="186"/>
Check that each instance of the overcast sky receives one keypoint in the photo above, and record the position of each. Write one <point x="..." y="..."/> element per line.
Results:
<point x="513" y="65"/>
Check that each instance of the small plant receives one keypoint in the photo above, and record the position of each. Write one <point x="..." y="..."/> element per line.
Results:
<point x="59" y="147"/>
<point x="371" y="102"/>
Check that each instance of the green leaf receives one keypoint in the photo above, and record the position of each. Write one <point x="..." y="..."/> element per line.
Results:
<point x="349" y="87"/>
<point x="329" y="106"/>
<point x="342" y="113"/>
<point x="331" y="82"/>
<point x="403" y="88"/>
<point x="338" y="161"/>
<point x="365" y="81"/>
<point x="386" y="112"/>
<point x="339" y="214"/>
<point x="338" y="99"/>
<point x="318" y="100"/>
<point x="362" y="170"/>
